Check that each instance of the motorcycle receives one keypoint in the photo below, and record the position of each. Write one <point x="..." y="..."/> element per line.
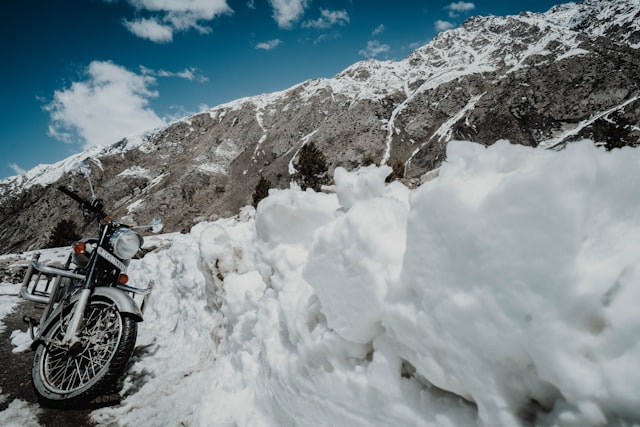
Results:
<point x="87" y="331"/>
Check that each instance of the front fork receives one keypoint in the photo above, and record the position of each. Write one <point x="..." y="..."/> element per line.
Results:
<point x="71" y="335"/>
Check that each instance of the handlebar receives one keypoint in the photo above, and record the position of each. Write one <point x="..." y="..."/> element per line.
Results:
<point x="72" y="194"/>
<point x="95" y="206"/>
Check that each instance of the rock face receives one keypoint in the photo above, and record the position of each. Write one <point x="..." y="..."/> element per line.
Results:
<point x="540" y="80"/>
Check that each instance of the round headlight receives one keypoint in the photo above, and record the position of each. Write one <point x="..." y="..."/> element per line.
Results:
<point x="125" y="243"/>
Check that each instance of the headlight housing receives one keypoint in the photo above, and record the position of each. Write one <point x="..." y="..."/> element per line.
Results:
<point x="125" y="243"/>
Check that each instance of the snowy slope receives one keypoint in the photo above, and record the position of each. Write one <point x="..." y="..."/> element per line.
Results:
<point x="481" y="45"/>
<point x="47" y="174"/>
<point x="543" y="80"/>
<point x="601" y="18"/>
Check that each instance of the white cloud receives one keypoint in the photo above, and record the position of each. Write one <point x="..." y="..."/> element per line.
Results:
<point x="328" y="18"/>
<point x="174" y="15"/>
<point x="191" y="74"/>
<point x="110" y="104"/>
<point x="320" y="39"/>
<point x="178" y="112"/>
<point x="150" y="29"/>
<point x="199" y="9"/>
<point x="441" y="25"/>
<point x="251" y="4"/>
<point x="286" y="12"/>
<point x="461" y="6"/>
<point x="17" y="169"/>
<point x="271" y="44"/>
<point x="457" y="7"/>
<point x="378" y="30"/>
<point x="373" y="49"/>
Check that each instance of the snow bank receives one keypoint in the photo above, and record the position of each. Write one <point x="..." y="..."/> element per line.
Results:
<point x="520" y="282"/>
<point x="501" y="293"/>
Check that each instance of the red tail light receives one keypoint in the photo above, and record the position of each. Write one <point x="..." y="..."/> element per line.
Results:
<point x="123" y="279"/>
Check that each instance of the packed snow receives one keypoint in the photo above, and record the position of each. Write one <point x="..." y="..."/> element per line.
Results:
<point x="7" y="304"/>
<point x="19" y="413"/>
<point x="503" y="292"/>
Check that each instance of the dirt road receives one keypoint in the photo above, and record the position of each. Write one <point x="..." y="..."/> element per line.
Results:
<point x="15" y="379"/>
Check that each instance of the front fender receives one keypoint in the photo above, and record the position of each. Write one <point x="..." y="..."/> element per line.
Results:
<point x="123" y="302"/>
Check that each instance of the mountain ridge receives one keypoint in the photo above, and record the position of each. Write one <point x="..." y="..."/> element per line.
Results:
<point x="540" y="79"/>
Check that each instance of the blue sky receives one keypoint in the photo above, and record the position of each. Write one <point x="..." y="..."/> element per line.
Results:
<point x="82" y="72"/>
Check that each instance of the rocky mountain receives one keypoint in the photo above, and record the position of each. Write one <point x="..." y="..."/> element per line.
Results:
<point x="535" y="79"/>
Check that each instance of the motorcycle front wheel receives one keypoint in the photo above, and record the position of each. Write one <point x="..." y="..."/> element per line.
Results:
<point x="64" y="376"/>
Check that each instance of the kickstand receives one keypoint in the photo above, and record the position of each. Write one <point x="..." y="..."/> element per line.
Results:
<point x="31" y="323"/>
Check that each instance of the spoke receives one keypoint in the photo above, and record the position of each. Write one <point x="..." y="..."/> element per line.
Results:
<point x="82" y="377"/>
<point x="58" y="377"/>
<point x="91" y="363"/>
<point x="60" y="366"/>
<point x="93" y="366"/>
<point x="99" y="336"/>
<point x="67" y="378"/>
<point x="75" y="376"/>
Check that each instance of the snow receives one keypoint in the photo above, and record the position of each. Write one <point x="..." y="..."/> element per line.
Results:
<point x="305" y="140"/>
<point x="19" y="413"/>
<point x="136" y="172"/>
<point x="224" y="154"/>
<point x="9" y="291"/>
<point x="561" y="137"/>
<point x="7" y="304"/>
<point x="597" y="18"/>
<point x="135" y="206"/>
<point x="503" y="290"/>
<point x="445" y="130"/>
<point x="46" y="174"/>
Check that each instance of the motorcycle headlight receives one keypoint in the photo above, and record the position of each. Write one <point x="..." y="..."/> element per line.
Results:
<point x="125" y="243"/>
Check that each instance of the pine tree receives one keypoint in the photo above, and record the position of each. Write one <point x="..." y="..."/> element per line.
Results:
<point x="312" y="170"/>
<point x="261" y="191"/>
<point x="63" y="234"/>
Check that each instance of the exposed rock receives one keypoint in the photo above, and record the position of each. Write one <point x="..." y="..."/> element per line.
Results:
<point x="540" y="80"/>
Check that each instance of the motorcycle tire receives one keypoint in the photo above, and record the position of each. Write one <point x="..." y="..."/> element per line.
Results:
<point x="64" y="377"/>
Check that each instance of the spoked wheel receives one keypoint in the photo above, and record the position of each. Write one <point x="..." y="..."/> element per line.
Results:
<point x="64" y="376"/>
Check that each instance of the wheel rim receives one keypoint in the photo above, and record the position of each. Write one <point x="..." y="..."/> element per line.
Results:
<point x="64" y="371"/>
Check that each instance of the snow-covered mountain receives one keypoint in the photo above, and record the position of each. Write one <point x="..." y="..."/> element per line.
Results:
<point x="539" y="80"/>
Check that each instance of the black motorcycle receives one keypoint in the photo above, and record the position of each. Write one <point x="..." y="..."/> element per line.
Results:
<point x="87" y="331"/>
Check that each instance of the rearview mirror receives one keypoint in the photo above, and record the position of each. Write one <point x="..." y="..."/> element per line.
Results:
<point x="155" y="226"/>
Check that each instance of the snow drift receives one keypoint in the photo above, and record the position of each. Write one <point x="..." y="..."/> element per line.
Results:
<point x="501" y="293"/>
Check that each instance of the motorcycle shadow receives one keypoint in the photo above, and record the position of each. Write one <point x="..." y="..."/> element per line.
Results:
<point x="136" y="379"/>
